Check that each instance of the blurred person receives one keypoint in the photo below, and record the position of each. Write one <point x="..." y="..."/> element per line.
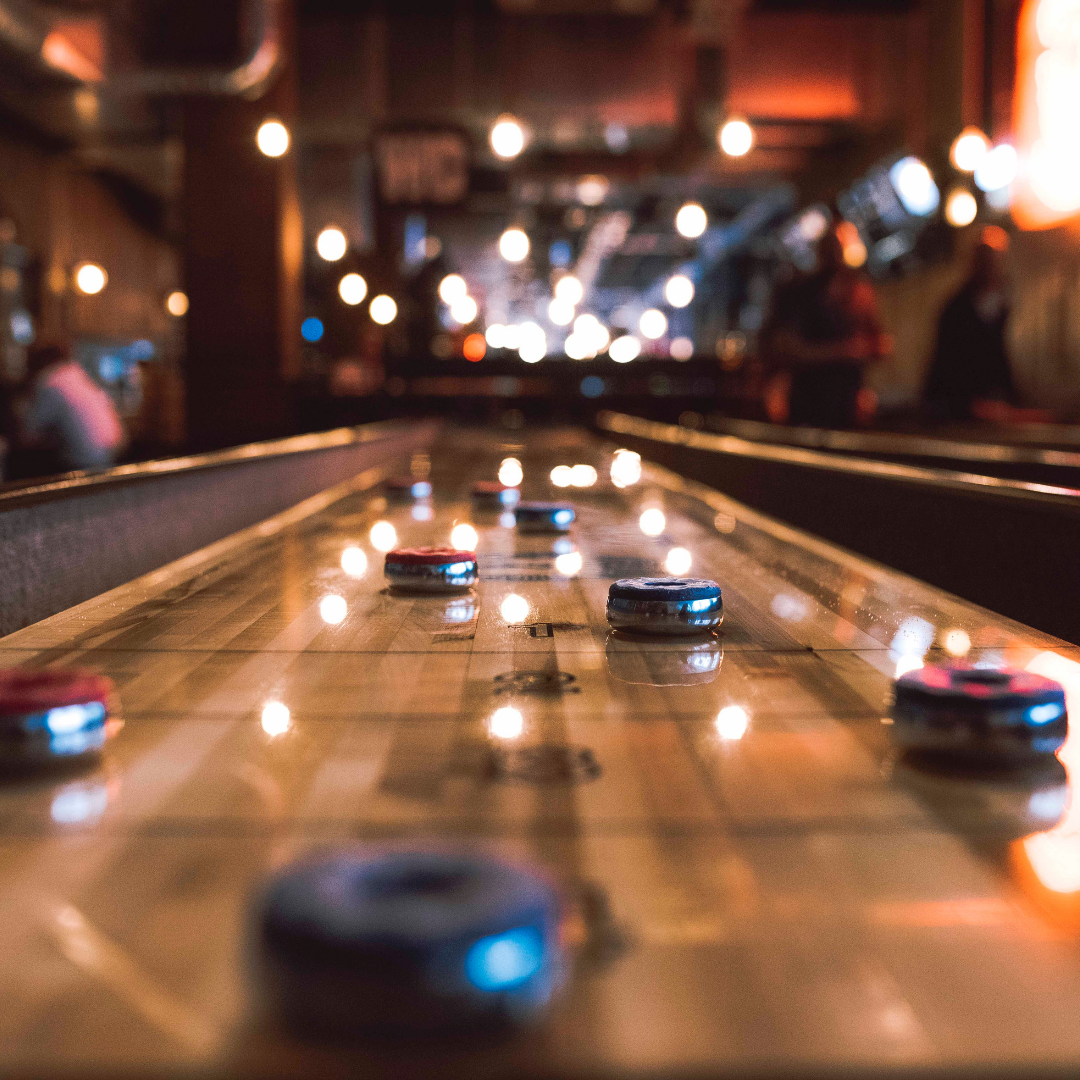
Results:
<point x="823" y="332"/>
<point x="970" y="376"/>
<point x="65" y="416"/>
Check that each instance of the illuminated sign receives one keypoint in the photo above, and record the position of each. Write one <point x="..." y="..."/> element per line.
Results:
<point x="1047" y="113"/>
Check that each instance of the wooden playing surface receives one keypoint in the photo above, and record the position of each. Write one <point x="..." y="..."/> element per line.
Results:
<point x="789" y="900"/>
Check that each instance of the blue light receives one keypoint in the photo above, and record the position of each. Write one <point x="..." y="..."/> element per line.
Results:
<point x="592" y="386"/>
<point x="560" y="253"/>
<point x="311" y="329"/>
<point x="69" y="718"/>
<point x="111" y="368"/>
<point x="142" y="349"/>
<point x="505" y="960"/>
<point x="457" y="569"/>
<point x="701" y="605"/>
<point x="22" y="327"/>
<point x="421" y="489"/>
<point x="1043" y="714"/>
<point x="563" y="517"/>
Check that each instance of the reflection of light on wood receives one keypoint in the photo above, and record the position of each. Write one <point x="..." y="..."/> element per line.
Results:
<point x="1047" y="864"/>
<point x="1047" y="113"/>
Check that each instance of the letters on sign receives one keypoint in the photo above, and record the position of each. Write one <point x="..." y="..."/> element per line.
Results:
<point x="423" y="167"/>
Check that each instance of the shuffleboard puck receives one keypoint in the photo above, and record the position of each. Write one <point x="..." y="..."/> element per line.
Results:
<point x="52" y="714"/>
<point x="665" y="605"/>
<point x="432" y="570"/>
<point x="409" y="941"/>
<point x="979" y="714"/>
<point x="544" y="517"/>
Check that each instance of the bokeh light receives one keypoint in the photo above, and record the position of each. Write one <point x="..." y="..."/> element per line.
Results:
<point x="354" y="562"/>
<point x="569" y="564"/>
<point x="625" y="468"/>
<point x="505" y="723"/>
<point x="452" y="287"/>
<point x="383" y="310"/>
<point x="653" y="324"/>
<point x="731" y="722"/>
<point x="352" y="288"/>
<point x="513" y="245"/>
<point x="463" y="310"/>
<point x="569" y="290"/>
<point x="583" y="476"/>
<point x="176" y="303"/>
<point x="969" y="148"/>
<point x="464" y="537"/>
<point x="383" y="536"/>
<point x="678" y="562"/>
<point x="562" y="476"/>
<point x="514" y="609"/>
<point x="736" y="138"/>
<point x="272" y="138"/>
<point x="624" y="349"/>
<point x="691" y="220"/>
<point x="560" y="312"/>
<point x="652" y="522"/>
<point x="507" y="138"/>
<point x="276" y="718"/>
<point x="679" y="291"/>
<point x="510" y="472"/>
<point x="333" y="609"/>
<point x="474" y="347"/>
<point x="331" y="244"/>
<point x="90" y="278"/>
<point x="960" y="207"/>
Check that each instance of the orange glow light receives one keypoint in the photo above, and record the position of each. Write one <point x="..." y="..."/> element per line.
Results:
<point x="474" y="347"/>
<point x="1046" y="115"/>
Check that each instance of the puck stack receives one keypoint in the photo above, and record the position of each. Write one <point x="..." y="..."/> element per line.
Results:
<point x="430" y="570"/>
<point x="979" y="714"/>
<point x="491" y="495"/>
<point x="51" y="715"/>
<point x="409" y="941"/>
<point x="665" y="606"/>
<point x="544" y="517"/>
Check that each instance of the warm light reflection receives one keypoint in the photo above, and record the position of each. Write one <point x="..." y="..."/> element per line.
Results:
<point x="652" y="522"/>
<point x="510" y="472"/>
<point x="625" y="468"/>
<point x="452" y="288"/>
<point x="333" y="609"/>
<point x="908" y="663"/>
<point x="176" y="303"/>
<point x="678" y="562"/>
<point x="272" y="138"/>
<point x="464" y="537"/>
<point x="383" y="536"/>
<point x="463" y="310"/>
<point x="679" y="291"/>
<point x="507" y="138"/>
<point x="736" y="138"/>
<point x="569" y="290"/>
<point x="624" y="349"/>
<point x="276" y="718"/>
<point x="956" y="642"/>
<point x="505" y="723"/>
<point x="514" y="609"/>
<point x="383" y="310"/>
<point x="569" y="564"/>
<point x="513" y="245"/>
<point x="331" y="244"/>
<point x="352" y="289"/>
<point x="731" y="722"/>
<point x="560" y="312"/>
<point x="354" y="562"/>
<point x="968" y="150"/>
<point x="960" y="208"/>
<point x="90" y="278"/>
<point x="653" y="324"/>
<point x="583" y="476"/>
<point x="691" y="221"/>
<point x="561" y="476"/>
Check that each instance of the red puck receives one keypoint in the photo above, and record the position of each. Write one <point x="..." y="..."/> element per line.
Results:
<point x="429" y="556"/>
<point x="23" y="691"/>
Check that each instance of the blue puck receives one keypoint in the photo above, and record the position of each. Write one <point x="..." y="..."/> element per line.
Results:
<point x="665" y="605"/>
<point x="544" y="516"/>
<point x="978" y="713"/>
<point x="410" y="941"/>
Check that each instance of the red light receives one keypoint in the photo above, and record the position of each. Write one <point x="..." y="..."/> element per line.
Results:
<point x="474" y="347"/>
